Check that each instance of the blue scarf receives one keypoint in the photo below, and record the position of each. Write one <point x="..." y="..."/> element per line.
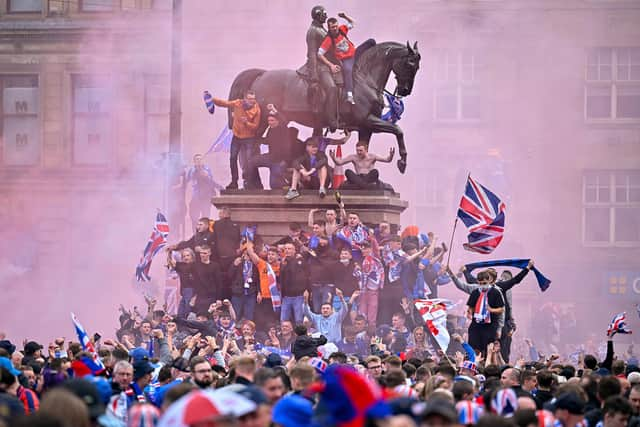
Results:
<point x="521" y="263"/>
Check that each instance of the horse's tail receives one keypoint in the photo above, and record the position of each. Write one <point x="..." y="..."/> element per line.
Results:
<point x="241" y="83"/>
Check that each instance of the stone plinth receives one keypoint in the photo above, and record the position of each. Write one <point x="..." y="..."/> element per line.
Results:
<point x="272" y="213"/>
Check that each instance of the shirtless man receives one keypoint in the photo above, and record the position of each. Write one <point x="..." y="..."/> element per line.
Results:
<point x="331" y="223"/>
<point x="363" y="163"/>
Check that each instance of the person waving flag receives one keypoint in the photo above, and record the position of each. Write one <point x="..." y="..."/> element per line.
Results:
<point x="618" y="325"/>
<point x="157" y="241"/>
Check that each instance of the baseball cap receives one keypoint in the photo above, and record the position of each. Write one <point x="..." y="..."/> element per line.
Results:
<point x="273" y="360"/>
<point x="7" y="345"/>
<point x="88" y="393"/>
<point x="31" y="347"/>
<point x="293" y="411"/>
<point x="139" y="353"/>
<point x="141" y="368"/>
<point x="6" y="364"/>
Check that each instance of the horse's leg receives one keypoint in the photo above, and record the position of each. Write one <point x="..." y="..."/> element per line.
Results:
<point x="377" y="125"/>
<point x="364" y="135"/>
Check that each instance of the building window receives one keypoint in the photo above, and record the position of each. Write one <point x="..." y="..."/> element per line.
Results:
<point x="98" y="5"/>
<point x="156" y="108"/>
<point x="457" y="95"/>
<point x="22" y="6"/>
<point x="20" y="122"/>
<point x="611" y="205"/>
<point x="162" y="4"/>
<point x="612" y="84"/>
<point x="92" y="140"/>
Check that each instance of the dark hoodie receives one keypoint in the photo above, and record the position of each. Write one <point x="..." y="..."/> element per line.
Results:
<point x="306" y="345"/>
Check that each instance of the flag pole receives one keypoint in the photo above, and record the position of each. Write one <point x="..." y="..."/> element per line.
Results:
<point x="455" y="224"/>
<point x="451" y="241"/>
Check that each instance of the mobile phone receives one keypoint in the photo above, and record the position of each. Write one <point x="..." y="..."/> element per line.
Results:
<point x="96" y="337"/>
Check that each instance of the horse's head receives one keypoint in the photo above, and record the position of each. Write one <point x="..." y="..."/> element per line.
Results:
<point x="405" y="68"/>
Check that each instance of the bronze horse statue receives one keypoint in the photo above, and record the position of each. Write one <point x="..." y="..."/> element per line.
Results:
<point x="373" y="65"/>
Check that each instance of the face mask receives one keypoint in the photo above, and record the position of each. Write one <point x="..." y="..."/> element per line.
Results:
<point x="246" y="105"/>
<point x="344" y="261"/>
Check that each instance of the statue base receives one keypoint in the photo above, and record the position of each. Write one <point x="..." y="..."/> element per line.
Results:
<point x="272" y="213"/>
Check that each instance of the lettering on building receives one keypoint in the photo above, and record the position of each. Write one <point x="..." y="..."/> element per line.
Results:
<point x="22" y="140"/>
<point x="22" y="107"/>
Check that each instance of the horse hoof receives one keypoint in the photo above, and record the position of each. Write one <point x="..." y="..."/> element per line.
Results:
<point x="402" y="165"/>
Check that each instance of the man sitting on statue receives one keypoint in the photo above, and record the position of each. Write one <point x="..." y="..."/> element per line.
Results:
<point x="283" y="145"/>
<point x="343" y="50"/>
<point x="312" y="170"/>
<point x="365" y="175"/>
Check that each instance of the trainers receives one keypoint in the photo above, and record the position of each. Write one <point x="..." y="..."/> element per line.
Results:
<point x="232" y="186"/>
<point x="322" y="192"/>
<point x="292" y="194"/>
<point x="350" y="99"/>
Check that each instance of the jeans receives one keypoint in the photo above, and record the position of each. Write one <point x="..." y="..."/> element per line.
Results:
<point x="183" y="307"/>
<point x="276" y="170"/>
<point x="293" y="305"/>
<point x="362" y="180"/>
<point x="368" y="306"/>
<point x="319" y="295"/>
<point x="347" y="73"/>
<point x="243" y="149"/>
<point x="244" y="306"/>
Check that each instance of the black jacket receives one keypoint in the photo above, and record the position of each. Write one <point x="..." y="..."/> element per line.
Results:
<point x="226" y="235"/>
<point x="294" y="277"/>
<point x="237" y="280"/>
<point x="198" y="239"/>
<point x="305" y="160"/>
<point x="306" y="345"/>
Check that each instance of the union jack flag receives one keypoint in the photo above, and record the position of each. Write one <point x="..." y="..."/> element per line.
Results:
<point x="618" y="325"/>
<point x="469" y="412"/>
<point x="482" y="212"/>
<point x="157" y="241"/>
<point x="86" y="343"/>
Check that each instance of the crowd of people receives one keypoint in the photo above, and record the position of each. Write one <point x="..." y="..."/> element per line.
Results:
<point x="318" y="328"/>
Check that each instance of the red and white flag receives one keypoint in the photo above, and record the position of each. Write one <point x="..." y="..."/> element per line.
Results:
<point x="434" y="314"/>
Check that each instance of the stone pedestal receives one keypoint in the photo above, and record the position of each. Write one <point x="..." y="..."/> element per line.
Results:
<point x="273" y="214"/>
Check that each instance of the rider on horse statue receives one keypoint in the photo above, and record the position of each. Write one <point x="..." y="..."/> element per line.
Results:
<point x="318" y="73"/>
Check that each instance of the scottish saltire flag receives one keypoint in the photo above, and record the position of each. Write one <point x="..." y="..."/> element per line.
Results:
<point x="276" y="298"/>
<point x="482" y="212"/>
<point x="222" y="142"/>
<point x="157" y="241"/>
<point x="86" y="343"/>
<point x="434" y="314"/>
<point x="618" y="325"/>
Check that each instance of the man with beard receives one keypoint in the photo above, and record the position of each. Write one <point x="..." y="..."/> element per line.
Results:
<point x="201" y="372"/>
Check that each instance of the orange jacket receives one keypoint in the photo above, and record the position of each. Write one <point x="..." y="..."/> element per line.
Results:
<point x="242" y="129"/>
